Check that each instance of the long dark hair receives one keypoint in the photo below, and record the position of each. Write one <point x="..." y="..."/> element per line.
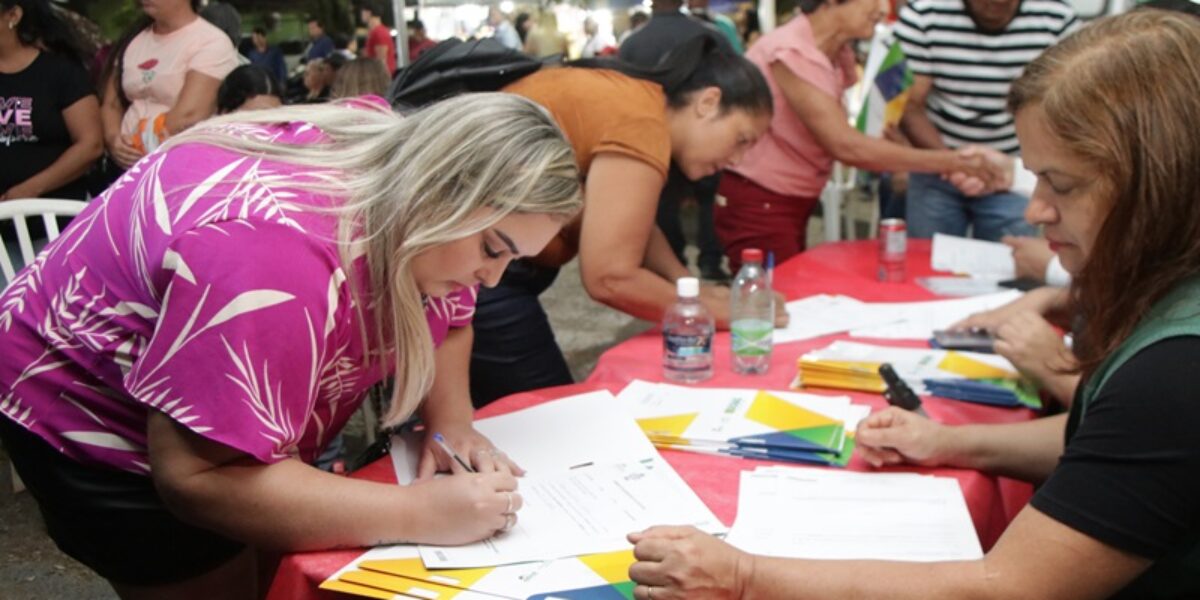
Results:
<point x="244" y="83"/>
<point x="115" y="65"/>
<point x="694" y="65"/>
<point x="41" y="27"/>
<point x="1139" y="134"/>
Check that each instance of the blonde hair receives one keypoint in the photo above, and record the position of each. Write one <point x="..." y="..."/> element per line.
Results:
<point x="358" y="77"/>
<point x="413" y="183"/>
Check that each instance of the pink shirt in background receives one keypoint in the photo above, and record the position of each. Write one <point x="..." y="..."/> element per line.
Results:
<point x="201" y="285"/>
<point x="788" y="160"/>
<point x="155" y="67"/>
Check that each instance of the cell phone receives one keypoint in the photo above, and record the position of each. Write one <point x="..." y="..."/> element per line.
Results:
<point x="1023" y="284"/>
<point x="975" y="340"/>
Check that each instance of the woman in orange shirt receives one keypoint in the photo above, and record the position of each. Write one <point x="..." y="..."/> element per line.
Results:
<point x="701" y="109"/>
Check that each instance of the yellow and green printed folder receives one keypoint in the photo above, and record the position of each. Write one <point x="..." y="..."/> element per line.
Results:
<point x="585" y="577"/>
<point x="853" y="366"/>
<point x="747" y="423"/>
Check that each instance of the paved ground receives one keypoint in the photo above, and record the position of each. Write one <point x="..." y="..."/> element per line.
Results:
<point x="32" y="568"/>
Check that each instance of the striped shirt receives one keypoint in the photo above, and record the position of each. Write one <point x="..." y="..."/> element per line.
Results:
<point x="971" y="70"/>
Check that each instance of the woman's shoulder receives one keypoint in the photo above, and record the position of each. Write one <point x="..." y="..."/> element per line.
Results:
<point x="606" y="85"/>
<point x="64" y="68"/>
<point x="202" y="30"/>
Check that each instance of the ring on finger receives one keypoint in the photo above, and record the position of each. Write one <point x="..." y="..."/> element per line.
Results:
<point x="649" y="592"/>
<point x="508" y="509"/>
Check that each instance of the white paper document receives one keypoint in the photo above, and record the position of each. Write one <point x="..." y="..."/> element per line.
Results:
<point x="918" y="320"/>
<point x="825" y="314"/>
<point x="960" y="287"/>
<point x="552" y="436"/>
<point x="817" y="514"/>
<point x="592" y="477"/>
<point x="978" y="258"/>
<point x="587" y="510"/>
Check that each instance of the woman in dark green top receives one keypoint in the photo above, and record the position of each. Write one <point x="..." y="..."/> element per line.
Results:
<point x="1107" y="121"/>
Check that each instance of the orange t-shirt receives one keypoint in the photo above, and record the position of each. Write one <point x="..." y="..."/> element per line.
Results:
<point x="603" y="111"/>
<point x="599" y="111"/>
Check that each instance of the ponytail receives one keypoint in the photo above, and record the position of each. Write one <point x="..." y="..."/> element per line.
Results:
<point x="41" y="26"/>
<point x="694" y="65"/>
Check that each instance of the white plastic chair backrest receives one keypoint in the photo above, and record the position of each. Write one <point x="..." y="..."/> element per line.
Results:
<point x="18" y="211"/>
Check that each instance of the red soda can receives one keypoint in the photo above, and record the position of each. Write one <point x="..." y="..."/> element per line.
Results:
<point x="893" y="246"/>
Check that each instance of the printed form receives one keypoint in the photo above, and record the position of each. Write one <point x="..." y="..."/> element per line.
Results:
<point x="586" y="510"/>
<point x="807" y="513"/>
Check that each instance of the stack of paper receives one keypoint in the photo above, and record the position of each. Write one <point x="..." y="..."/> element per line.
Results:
<point x="747" y="423"/>
<point x="968" y="376"/>
<point x="820" y="514"/>
<point x="593" y="477"/>
<point x="823" y="314"/>
<point x="918" y="320"/>
<point x="977" y="258"/>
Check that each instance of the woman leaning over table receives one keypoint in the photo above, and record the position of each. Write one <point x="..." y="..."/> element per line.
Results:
<point x="1118" y="510"/>
<point x="699" y="108"/>
<point x="809" y="63"/>
<point x="204" y="328"/>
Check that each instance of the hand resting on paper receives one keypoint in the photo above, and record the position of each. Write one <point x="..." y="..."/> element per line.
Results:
<point x="675" y="563"/>
<point x="1037" y="350"/>
<point x="1042" y="301"/>
<point x="894" y="436"/>
<point x="781" y="314"/>
<point x="1032" y="255"/>
<point x="471" y="445"/>
<point x="465" y="508"/>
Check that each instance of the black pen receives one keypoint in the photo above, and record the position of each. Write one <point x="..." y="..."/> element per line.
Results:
<point x="441" y="441"/>
<point x="898" y="393"/>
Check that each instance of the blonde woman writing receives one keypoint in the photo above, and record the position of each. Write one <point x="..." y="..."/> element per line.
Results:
<point x="206" y="326"/>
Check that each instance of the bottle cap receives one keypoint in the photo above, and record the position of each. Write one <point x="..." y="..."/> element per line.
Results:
<point x="687" y="287"/>
<point x="752" y="255"/>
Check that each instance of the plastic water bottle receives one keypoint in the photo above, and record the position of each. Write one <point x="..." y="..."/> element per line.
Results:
<point x="687" y="336"/>
<point x="752" y="315"/>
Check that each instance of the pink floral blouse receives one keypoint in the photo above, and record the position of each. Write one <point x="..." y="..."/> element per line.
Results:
<point x="197" y="286"/>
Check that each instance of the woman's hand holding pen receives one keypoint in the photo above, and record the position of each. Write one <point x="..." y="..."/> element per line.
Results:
<point x="473" y="447"/>
<point x="465" y="508"/>
<point x="893" y="436"/>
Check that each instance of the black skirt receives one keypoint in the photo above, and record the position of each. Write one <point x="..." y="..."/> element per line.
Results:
<point x="112" y="521"/>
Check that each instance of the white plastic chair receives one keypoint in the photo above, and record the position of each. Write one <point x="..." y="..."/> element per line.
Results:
<point x="19" y="211"/>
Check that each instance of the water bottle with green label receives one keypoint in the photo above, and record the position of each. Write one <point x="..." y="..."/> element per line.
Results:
<point x="752" y="315"/>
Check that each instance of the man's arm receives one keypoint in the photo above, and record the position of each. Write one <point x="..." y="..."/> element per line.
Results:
<point x="916" y="123"/>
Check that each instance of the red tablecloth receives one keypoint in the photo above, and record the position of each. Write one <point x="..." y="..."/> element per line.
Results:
<point x="841" y="268"/>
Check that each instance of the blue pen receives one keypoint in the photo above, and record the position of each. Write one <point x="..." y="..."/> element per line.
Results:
<point x="770" y="269"/>
<point x="441" y="441"/>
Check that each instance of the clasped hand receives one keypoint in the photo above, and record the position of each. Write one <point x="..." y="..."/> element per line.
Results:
<point x="981" y="170"/>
